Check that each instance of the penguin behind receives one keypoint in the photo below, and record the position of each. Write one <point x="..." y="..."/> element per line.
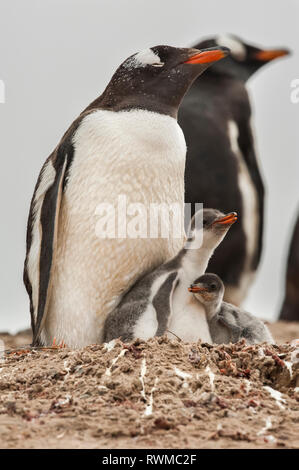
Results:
<point x="290" y="306"/>
<point x="126" y="143"/>
<point x="160" y="301"/>
<point x="227" y="323"/>
<point x="222" y="169"/>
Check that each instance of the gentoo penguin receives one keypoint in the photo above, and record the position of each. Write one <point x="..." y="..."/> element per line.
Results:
<point x="221" y="165"/>
<point x="160" y="301"/>
<point x="227" y="323"/>
<point x="126" y="148"/>
<point x="290" y="306"/>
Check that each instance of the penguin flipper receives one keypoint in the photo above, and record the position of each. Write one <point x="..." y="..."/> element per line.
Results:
<point x="41" y="238"/>
<point x="162" y="302"/>
<point x="229" y="318"/>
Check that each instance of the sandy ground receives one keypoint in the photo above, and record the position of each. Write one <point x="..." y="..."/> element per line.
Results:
<point x="158" y="394"/>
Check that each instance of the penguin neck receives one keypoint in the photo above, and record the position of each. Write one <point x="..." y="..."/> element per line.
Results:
<point x="162" y="97"/>
<point x="212" y="308"/>
<point x="146" y="101"/>
<point x="195" y="262"/>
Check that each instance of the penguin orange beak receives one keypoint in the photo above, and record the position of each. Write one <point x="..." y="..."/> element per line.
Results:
<point x="267" y="55"/>
<point x="228" y="219"/>
<point x="207" y="56"/>
<point x="196" y="288"/>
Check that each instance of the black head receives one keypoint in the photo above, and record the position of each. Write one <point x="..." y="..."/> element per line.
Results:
<point x="244" y="59"/>
<point x="156" y="79"/>
<point x="208" y="288"/>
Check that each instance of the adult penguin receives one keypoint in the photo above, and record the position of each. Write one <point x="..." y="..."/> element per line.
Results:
<point x="221" y="165"/>
<point x="290" y="306"/>
<point x="127" y="143"/>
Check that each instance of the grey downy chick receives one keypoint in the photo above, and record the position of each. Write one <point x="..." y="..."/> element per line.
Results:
<point x="227" y="323"/>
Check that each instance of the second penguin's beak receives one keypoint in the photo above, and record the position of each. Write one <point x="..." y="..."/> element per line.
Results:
<point x="228" y="219"/>
<point x="271" y="54"/>
<point x="197" y="288"/>
<point x="207" y="56"/>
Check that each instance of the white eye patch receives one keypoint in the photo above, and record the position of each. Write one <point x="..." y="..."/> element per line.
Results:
<point x="236" y="47"/>
<point x="143" y="58"/>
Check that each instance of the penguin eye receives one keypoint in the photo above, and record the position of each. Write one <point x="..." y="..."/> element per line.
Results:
<point x="158" y="64"/>
<point x="213" y="286"/>
<point x="204" y="222"/>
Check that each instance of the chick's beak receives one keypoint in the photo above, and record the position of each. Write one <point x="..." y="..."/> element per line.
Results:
<point x="197" y="288"/>
<point x="207" y="56"/>
<point x="270" y="54"/>
<point x="228" y="219"/>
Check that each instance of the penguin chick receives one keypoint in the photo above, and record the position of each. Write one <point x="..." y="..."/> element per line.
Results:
<point x="227" y="323"/>
<point x="158" y="301"/>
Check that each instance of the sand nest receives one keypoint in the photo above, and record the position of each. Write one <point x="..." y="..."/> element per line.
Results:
<point x="160" y="393"/>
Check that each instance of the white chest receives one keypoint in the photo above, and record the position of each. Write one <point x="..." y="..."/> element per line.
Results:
<point x="128" y="148"/>
<point x="188" y="320"/>
<point x="136" y="154"/>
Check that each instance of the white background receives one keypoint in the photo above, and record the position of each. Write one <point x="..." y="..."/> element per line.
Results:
<point x="56" y="56"/>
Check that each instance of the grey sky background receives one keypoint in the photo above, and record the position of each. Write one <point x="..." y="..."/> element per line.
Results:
<point x="56" y="56"/>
